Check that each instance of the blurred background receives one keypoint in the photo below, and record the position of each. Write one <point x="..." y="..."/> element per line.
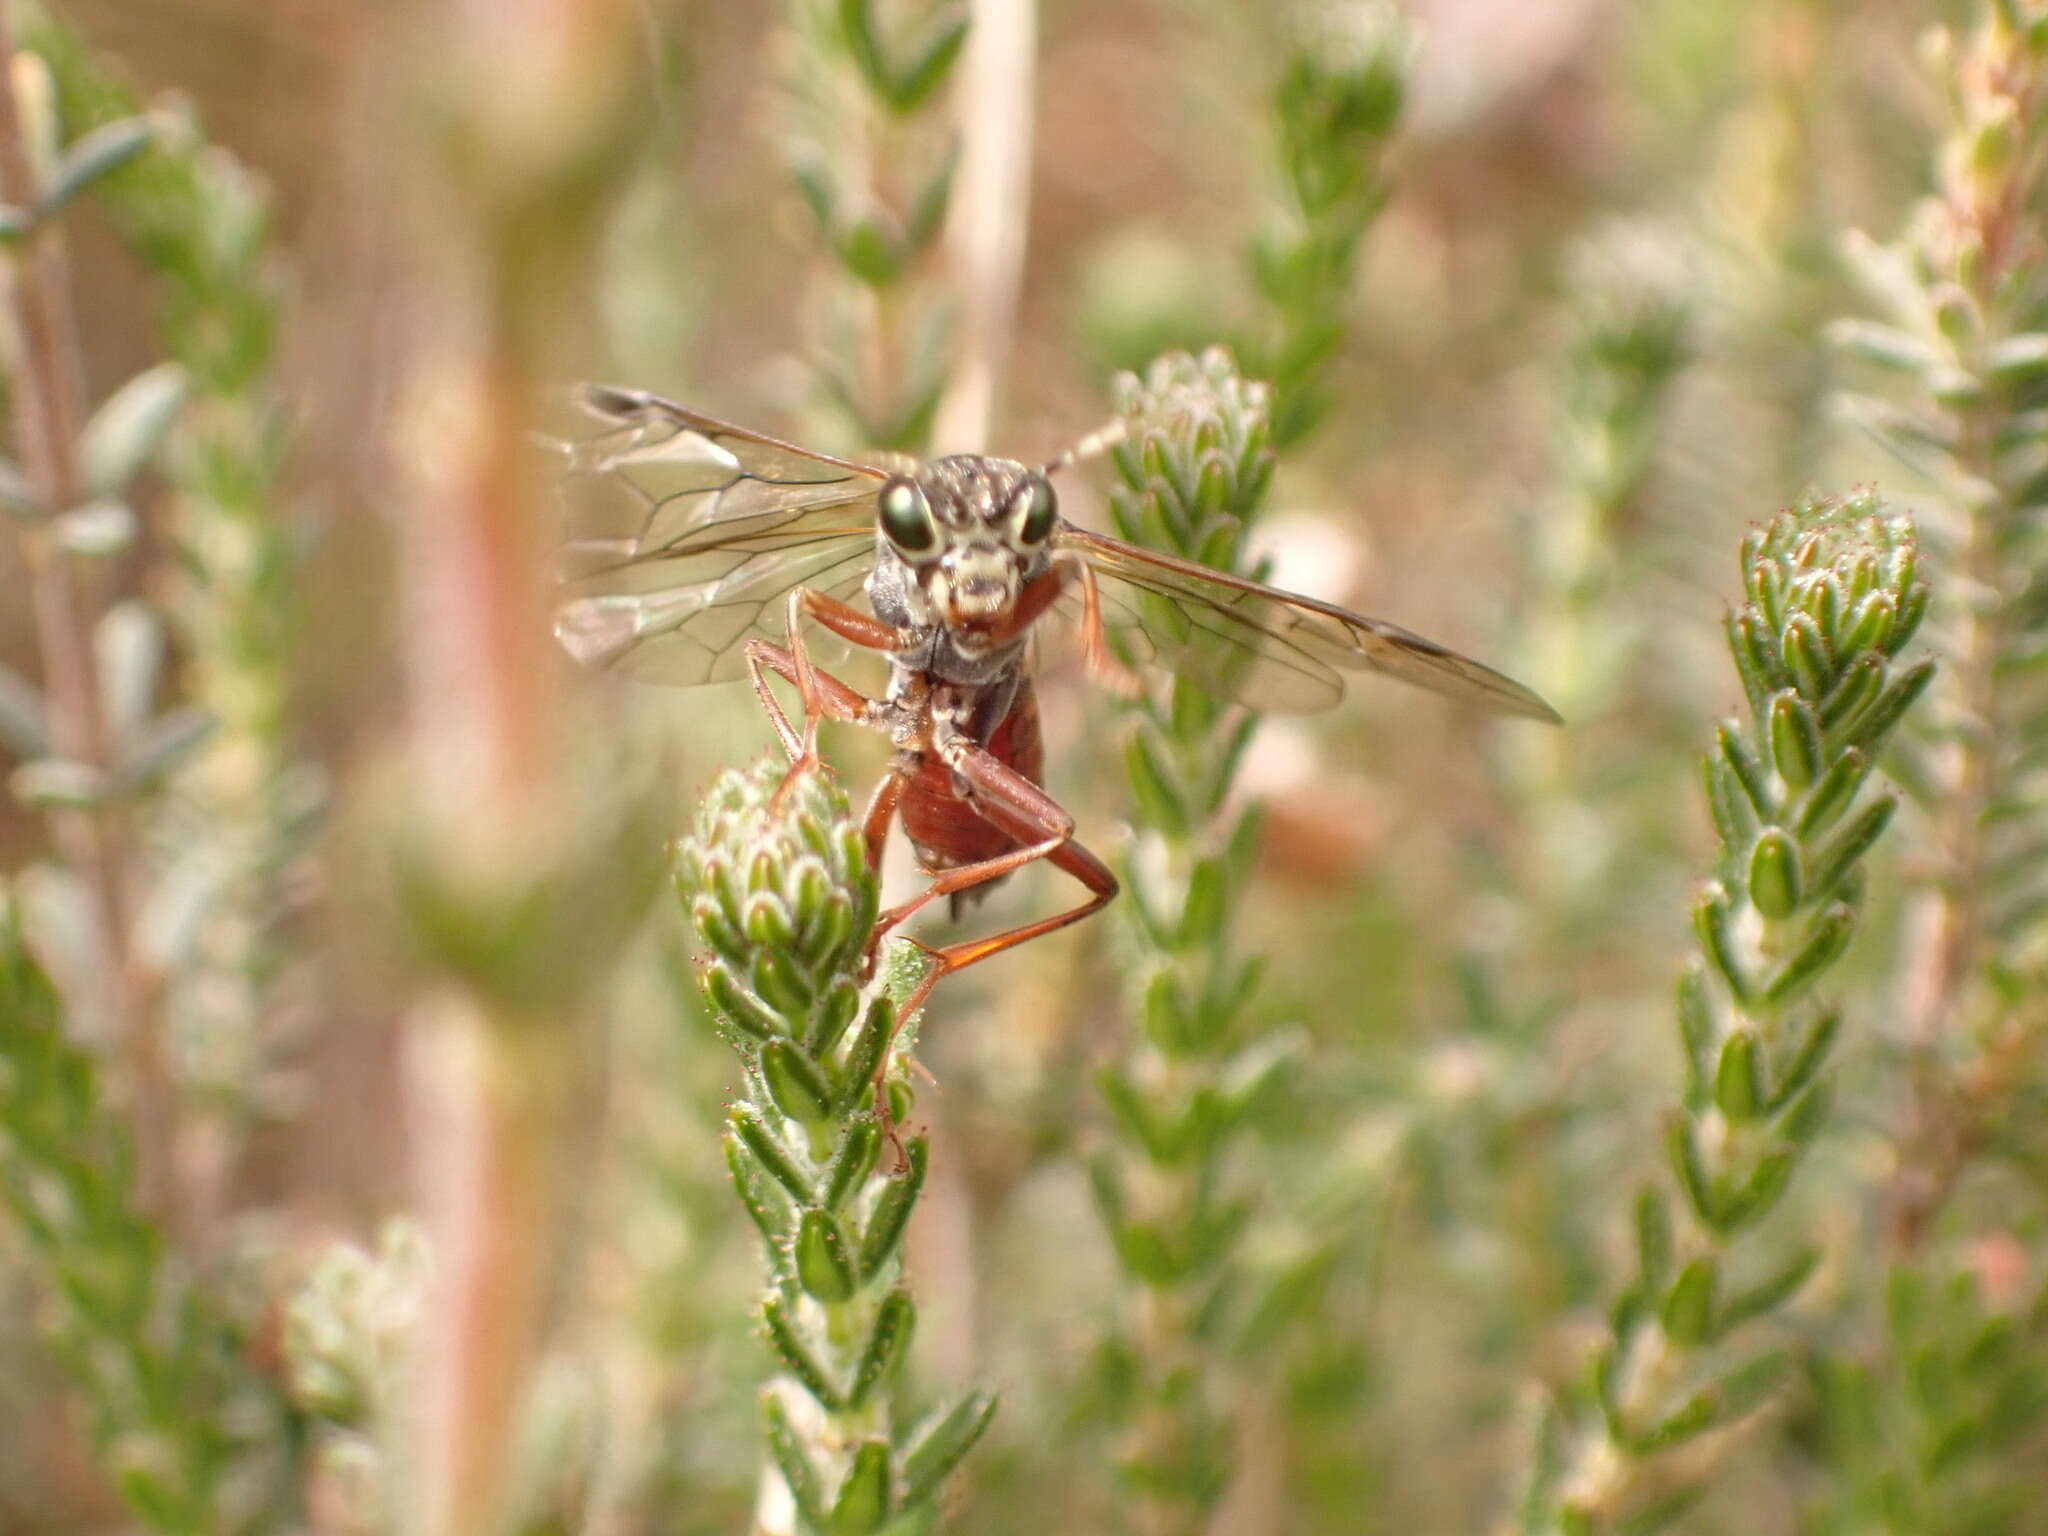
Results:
<point x="1580" y="351"/>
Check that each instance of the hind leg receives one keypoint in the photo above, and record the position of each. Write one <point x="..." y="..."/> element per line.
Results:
<point x="1042" y="828"/>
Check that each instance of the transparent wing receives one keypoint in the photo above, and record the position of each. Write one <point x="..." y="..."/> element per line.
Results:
<point x="687" y="533"/>
<point x="1272" y="650"/>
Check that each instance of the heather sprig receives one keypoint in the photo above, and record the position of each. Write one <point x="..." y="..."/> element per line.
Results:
<point x="1584" y="550"/>
<point x="1934" y="1449"/>
<point x="191" y="1436"/>
<point x="1337" y="105"/>
<point x="240" y="812"/>
<point x="1518" y="1123"/>
<point x="871" y="147"/>
<point x="1192" y="472"/>
<point x="1964" y="337"/>
<point x="86" y="734"/>
<point x="1833" y="593"/>
<point x="1629" y="341"/>
<point x="779" y="889"/>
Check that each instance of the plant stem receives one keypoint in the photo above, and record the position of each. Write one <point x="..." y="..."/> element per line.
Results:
<point x="871" y="147"/>
<point x="492" y="1127"/>
<point x="1195" y="467"/>
<point x="47" y="394"/>
<point x="1967" y="312"/>
<point x="1937" y="1130"/>
<point x="989" y="219"/>
<point x="514" y="899"/>
<point x="236" y="820"/>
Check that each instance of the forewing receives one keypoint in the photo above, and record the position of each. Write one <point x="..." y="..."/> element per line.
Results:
<point x="686" y="533"/>
<point x="1273" y="650"/>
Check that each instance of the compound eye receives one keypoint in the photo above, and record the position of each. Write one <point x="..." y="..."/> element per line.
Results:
<point x="907" y="519"/>
<point x="1036" y="510"/>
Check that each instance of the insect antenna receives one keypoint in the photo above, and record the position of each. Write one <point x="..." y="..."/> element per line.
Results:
<point x="1091" y="445"/>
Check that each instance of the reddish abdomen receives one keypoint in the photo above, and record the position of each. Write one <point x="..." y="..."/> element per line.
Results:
<point x="941" y="826"/>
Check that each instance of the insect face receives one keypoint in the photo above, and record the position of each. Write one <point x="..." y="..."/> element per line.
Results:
<point x="971" y="531"/>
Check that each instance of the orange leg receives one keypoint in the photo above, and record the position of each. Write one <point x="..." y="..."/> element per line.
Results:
<point x="1069" y="857"/>
<point x="875" y="825"/>
<point x="846" y="622"/>
<point x="1102" y="663"/>
<point x="836" y="700"/>
<point x="1043" y="829"/>
<point x="881" y="813"/>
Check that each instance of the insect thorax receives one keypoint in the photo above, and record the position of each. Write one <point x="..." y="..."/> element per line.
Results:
<point x="898" y="599"/>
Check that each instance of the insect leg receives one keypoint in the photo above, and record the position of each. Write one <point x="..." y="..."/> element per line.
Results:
<point x="1070" y="858"/>
<point x="1043" y="828"/>
<point x="848" y="623"/>
<point x="1102" y="663"/>
<point x="881" y="812"/>
<point x="837" y="700"/>
<point x="875" y="824"/>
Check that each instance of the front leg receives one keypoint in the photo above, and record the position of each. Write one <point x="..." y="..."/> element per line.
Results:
<point x="837" y="700"/>
<point x="1101" y="661"/>
<point x="819" y="694"/>
<point x="848" y="623"/>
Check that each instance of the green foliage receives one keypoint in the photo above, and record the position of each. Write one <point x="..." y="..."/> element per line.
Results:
<point x="1193" y="469"/>
<point x="1920" y="1445"/>
<point x="129" y="747"/>
<point x="872" y="155"/>
<point x="64" y="165"/>
<point x="1630" y="341"/>
<point x="242" y="813"/>
<point x="191" y="1436"/>
<point x="1584" y="548"/>
<point x="1963" y="305"/>
<point x="1337" y="105"/>
<point x="1964" y="339"/>
<point x="777" y="883"/>
<point x="1833" y="595"/>
<point x="1327" y="1283"/>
